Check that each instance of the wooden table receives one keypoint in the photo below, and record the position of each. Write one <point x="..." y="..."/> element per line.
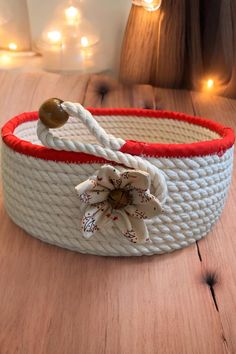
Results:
<point x="54" y="301"/>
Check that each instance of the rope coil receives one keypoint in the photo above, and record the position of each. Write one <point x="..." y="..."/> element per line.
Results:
<point x="40" y="193"/>
<point x="109" y="148"/>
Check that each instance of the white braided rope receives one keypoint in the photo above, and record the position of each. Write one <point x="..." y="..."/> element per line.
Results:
<point x="40" y="197"/>
<point x="77" y="110"/>
<point x="108" y="150"/>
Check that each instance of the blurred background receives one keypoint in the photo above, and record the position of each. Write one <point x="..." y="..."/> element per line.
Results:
<point x="24" y="23"/>
<point x="166" y="43"/>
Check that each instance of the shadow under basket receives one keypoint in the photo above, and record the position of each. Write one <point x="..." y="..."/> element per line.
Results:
<point x="194" y="155"/>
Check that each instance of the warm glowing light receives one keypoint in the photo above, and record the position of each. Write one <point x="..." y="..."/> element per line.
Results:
<point x="54" y="36"/>
<point x="72" y="15"/>
<point x="12" y="46"/>
<point x="5" y="58"/>
<point x="152" y="5"/>
<point x="84" y="41"/>
<point x="210" y="84"/>
<point x="149" y="5"/>
<point x="71" y="12"/>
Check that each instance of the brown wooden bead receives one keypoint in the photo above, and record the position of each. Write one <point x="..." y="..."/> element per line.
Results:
<point x="52" y="114"/>
<point x="119" y="198"/>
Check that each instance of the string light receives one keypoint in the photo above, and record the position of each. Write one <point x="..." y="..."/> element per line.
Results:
<point x="210" y="84"/>
<point x="84" y="41"/>
<point x="54" y="36"/>
<point x="149" y="5"/>
<point x="5" y="59"/>
<point x="70" y="41"/>
<point x="71" y="12"/>
<point x="72" y="15"/>
<point x="152" y="5"/>
<point x="12" y="46"/>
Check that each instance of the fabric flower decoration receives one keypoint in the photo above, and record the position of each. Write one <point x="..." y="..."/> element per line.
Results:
<point x="123" y="198"/>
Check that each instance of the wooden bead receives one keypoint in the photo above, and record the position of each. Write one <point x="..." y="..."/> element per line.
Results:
<point x="52" y="114"/>
<point x="118" y="198"/>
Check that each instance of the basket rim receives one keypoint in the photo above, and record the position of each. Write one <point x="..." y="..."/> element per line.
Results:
<point x="196" y="149"/>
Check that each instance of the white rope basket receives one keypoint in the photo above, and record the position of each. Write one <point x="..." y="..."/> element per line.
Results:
<point x="188" y="160"/>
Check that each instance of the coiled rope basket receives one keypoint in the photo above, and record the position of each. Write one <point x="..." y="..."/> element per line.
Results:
<point x="180" y="164"/>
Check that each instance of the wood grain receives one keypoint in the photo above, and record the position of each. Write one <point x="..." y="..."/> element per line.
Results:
<point x="31" y="89"/>
<point x="57" y="301"/>
<point x="103" y="91"/>
<point x="218" y="252"/>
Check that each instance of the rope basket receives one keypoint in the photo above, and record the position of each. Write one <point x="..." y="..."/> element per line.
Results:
<point x="169" y="171"/>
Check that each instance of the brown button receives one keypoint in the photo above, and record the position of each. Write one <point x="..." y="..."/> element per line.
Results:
<point x="52" y="114"/>
<point x="119" y="198"/>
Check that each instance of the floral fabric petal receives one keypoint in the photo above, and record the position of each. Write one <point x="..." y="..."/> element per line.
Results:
<point x="124" y="225"/>
<point x="144" y="206"/>
<point x="94" y="197"/>
<point x="90" y="192"/>
<point x="86" y="186"/>
<point x="95" y="216"/>
<point x="133" y="229"/>
<point x="122" y="219"/>
<point x="135" y="179"/>
<point x="122" y="198"/>
<point x="140" y="229"/>
<point x="109" y="177"/>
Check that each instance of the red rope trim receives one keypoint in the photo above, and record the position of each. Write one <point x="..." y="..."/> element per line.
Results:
<point x="217" y="146"/>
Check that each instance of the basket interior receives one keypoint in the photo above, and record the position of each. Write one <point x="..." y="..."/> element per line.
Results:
<point x="149" y="130"/>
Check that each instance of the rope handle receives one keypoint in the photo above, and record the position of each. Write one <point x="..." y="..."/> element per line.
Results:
<point x="106" y="140"/>
<point x="108" y="149"/>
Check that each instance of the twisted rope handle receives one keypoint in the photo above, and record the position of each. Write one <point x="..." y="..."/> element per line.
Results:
<point x="109" y="149"/>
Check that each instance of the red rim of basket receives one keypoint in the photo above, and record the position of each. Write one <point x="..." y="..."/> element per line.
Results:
<point x="216" y="146"/>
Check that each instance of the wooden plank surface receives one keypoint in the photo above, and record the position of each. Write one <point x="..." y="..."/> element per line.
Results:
<point x="57" y="301"/>
<point x="218" y="251"/>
